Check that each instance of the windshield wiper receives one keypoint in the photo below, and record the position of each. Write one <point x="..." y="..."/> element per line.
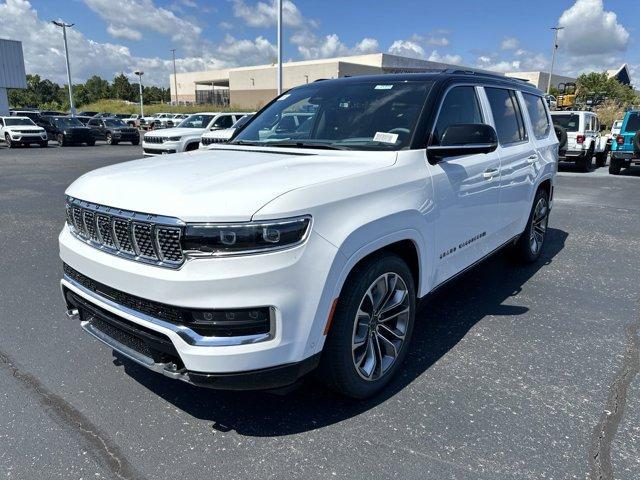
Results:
<point x="301" y="144"/>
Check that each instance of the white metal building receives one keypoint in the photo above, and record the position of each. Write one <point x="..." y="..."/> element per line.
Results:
<point x="12" y="74"/>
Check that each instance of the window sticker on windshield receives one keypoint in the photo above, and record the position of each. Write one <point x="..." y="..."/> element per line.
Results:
<point x="385" y="137"/>
<point x="383" y="87"/>
<point x="284" y="97"/>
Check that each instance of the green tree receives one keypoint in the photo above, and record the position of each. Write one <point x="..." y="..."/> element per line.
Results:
<point x="122" y="88"/>
<point x="97" y="88"/>
<point x="600" y="84"/>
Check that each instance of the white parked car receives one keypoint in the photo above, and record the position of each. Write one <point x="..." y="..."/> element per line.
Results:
<point x="221" y="136"/>
<point x="186" y="136"/>
<point x="16" y="131"/>
<point x="579" y="138"/>
<point x="255" y="262"/>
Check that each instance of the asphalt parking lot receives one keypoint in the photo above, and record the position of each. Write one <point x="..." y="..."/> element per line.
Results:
<point x="513" y="373"/>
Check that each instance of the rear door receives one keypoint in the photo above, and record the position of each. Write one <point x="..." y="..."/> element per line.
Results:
<point x="465" y="189"/>
<point x="518" y="159"/>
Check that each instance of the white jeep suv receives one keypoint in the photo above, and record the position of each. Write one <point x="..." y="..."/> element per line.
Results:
<point x="21" y="131"/>
<point x="249" y="265"/>
<point x="186" y="136"/>
<point x="579" y="138"/>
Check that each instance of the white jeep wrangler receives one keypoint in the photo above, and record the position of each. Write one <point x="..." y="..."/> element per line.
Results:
<point x="579" y="138"/>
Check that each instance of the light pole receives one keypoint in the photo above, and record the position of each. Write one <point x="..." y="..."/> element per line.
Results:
<point x="64" y="26"/>
<point x="175" y="77"/>
<point x="279" y="74"/>
<point x="140" y="73"/>
<point x="553" y="55"/>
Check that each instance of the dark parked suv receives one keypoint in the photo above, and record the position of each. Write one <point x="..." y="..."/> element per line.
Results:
<point x="113" y="130"/>
<point x="67" y="131"/>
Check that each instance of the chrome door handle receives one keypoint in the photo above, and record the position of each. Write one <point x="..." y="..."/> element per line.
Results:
<point x="489" y="173"/>
<point x="532" y="158"/>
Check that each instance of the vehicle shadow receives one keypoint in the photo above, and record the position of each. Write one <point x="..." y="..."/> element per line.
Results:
<point x="441" y="323"/>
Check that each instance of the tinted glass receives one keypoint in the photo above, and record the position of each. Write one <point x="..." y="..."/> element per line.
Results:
<point x="633" y="123"/>
<point x="114" y="122"/>
<point x="506" y="115"/>
<point x="196" y="121"/>
<point x="538" y="115"/>
<point x="224" y="122"/>
<point x="371" y="115"/>
<point x="241" y="121"/>
<point x="569" y="121"/>
<point x="63" y="122"/>
<point x="459" y="106"/>
<point x="10" y="122"/>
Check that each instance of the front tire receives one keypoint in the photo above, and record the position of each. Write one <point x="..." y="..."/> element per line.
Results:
<point x="10" y="143"/>
<point x="44" y="144"/>
<point x="528" y="247"/>
<point x="372" y="327"/>
<point x="60" y="139"/>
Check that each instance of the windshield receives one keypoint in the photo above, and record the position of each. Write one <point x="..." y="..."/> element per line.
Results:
<point x="372" y="115"/>
<point x="63" y="122"/>
<point x="114" y="122"/>
<point x="570" y="122"/>
<point x="18" y="121"/>
<point x="196" y="121"/>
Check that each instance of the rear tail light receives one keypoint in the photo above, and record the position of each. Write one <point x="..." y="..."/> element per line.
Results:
<point x="580" y="139"/>
<point x="620" y="140"/>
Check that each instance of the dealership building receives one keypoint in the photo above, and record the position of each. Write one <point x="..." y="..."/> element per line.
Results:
<point x="12" y="74"/>
<point x="252" y="87"/>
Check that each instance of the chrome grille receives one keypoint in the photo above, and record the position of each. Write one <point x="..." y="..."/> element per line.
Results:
<point x="209" y="140"/>
<point x="151" y="139"/>
<point x="137" y="236"/>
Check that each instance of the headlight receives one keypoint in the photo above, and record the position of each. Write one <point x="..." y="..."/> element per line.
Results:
<point x="173" y="139"/>
<point x="242" y="238"/>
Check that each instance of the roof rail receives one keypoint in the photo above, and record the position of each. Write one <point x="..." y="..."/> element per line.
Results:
<point x="484" y="74"/>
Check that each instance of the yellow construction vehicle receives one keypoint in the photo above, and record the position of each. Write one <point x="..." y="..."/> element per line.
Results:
<point x="566" y="99"/>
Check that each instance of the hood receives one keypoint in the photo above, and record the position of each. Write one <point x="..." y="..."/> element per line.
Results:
<point x="225" y="133"/>
<point x="219" y="185"/>
<point x="30" y="128"/>
<point x="176" y="132"/>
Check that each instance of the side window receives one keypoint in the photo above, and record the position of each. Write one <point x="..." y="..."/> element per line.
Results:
<point x="536" y="106"/>
<point x="506" y="115"/>
<point x="224" y="121"/>
<point x="459" y="106"/>
<point x="93" y="123"/>
<point x="1" y="122"/>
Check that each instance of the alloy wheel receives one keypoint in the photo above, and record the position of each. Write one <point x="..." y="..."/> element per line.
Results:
<point x="539" y="222"/>
<point x="380" y="326"/>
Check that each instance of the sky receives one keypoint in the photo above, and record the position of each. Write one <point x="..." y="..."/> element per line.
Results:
<point x="121" y="36"/>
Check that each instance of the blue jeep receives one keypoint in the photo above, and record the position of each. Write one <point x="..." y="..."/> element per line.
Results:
<point x="625" y="148"/>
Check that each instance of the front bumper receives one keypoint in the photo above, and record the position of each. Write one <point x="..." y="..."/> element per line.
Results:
<point x="292" y="282"/>
<point x="126" y="137"/>
<point x="28" y="137"/>
<point x="153" y="149"/>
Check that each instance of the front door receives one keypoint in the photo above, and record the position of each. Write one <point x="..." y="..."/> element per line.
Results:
<point x="466" y="191"/>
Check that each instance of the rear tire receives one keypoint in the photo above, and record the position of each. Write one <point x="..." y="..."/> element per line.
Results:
<point x="528" y="247"/>
<point x="585" y="163"/>
<point x="371" y="328"/>
<point x="91" y="143"/>
<point x="615" y="165"/>
<point x="601" y="159"/>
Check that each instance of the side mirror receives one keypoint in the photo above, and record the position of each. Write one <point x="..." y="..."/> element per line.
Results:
<point x="464" y="139"/>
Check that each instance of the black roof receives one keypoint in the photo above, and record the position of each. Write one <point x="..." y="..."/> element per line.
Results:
<point x="448" y="75"/>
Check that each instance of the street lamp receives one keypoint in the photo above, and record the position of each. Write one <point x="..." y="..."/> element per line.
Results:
<point x="175" y="77"/>
<point x="279" y="80"/>
<point x="64" y="26"/>
<point x="140" y="73"/>
<point x="553" y="55"/>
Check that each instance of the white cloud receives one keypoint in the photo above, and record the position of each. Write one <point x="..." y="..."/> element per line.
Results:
<point x="44" y="51"/>
<point x="134" y="15"/>
<point x="590" y="30"/>
<point x="407" y="48"/>
<point x="438" y="41"/>
<point x="311" y="47"/>
<point x="124" y="33"/>
<point x="451" y="59"/>
<point x="263" y="14"/>
<point x="510" y="43"/>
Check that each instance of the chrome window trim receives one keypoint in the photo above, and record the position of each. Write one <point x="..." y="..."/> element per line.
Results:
<point x="185" y="333"/>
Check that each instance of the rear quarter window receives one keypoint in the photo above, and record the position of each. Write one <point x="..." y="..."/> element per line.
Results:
<point x="507" y="115"/>
<point x="536" y="106"/>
